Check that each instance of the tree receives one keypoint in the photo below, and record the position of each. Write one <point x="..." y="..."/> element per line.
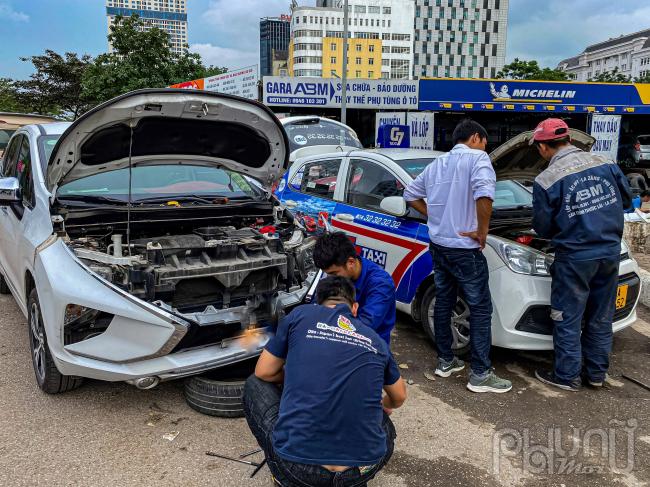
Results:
<point x="614" y="76"/>
<point x="55" y="87"/>
<point x="8" y="97"/>
<point x="141" y="58"/>
<point x="642" y="79"/>
<point x="530" y="70"/>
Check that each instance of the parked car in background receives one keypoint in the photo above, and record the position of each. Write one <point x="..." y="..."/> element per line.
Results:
<point x="360" y="193"/>
<point x="136" y="245"/>
<point x="643" y="151"/>
<point x="309" y="135"/>
<point x="10" y="122"/>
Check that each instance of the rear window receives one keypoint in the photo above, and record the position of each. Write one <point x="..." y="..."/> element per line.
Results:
<point x="318" y="131"/>
<point x="644" y="139"/>
<point x="5" y="135"/>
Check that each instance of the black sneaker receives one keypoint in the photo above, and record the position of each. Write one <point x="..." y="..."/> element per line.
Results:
<point x="548" y="377"/>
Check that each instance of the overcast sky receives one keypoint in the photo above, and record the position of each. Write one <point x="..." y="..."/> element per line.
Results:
<point x="226" y="32"/>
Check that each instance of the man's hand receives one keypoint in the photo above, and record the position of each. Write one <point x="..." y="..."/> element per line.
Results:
<point x="480" y="237"/>
<point x="418" y="205"/>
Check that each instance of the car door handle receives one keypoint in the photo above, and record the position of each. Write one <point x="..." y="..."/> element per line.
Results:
<point x="346" y="217"/>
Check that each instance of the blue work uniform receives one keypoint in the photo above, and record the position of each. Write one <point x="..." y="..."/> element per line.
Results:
<point x="376" y="297"/>
<point x="336" y="368"/>
<point x="579" y="203"/>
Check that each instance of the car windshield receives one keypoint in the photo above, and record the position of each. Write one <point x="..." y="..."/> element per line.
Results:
<point x="317" y="131"/>
<point x="644" y="139"/>
<point x="46" y="145"/>
<point x="511" y="194"/>
<point x="167" y="181"/>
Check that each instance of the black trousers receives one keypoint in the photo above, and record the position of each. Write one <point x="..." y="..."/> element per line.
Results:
<point x="262" y="406"/>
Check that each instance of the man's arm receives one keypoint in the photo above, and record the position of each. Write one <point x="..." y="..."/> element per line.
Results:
<point x="395" y="395"/>
<point x="623" y="187"/>
<point x="483" y="215"/>
<point x="483" y="182"/>
<point x="270" y="368"/>
<point x="419" y="205"/>
<point x="270" y="365"/>
<point x="380" y="299"/>
<point x="416" y="192"/>
<point x="543" y="213"/>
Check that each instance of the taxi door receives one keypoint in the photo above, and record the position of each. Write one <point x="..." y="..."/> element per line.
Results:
<point x="384" y="239"/>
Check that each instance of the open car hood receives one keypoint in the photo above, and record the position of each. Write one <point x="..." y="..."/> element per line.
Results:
<point x="519" y="161"/>
<point x="182" y="126"/>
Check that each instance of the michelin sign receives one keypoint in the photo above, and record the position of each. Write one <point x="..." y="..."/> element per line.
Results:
<point x="328" y="93"/>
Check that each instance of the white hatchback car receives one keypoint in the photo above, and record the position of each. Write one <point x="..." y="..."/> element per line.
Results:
<point x="359" y="193"/>
<point x="136" y="244"/>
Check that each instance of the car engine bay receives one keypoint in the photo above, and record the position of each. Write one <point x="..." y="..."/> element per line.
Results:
<point x="224" y="278"/>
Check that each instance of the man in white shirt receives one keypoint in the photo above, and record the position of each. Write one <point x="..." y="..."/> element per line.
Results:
<point x="456" y="192"/>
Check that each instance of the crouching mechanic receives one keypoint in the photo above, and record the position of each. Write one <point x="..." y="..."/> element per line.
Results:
<point x="578" y="202"/>
<point x="329" y="424"/>
<point x="336" y="255"/>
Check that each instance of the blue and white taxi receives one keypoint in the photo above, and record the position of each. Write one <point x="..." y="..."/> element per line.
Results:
<point x="359" y="192"/>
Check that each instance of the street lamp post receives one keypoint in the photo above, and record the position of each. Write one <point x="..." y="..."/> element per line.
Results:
<point x="344" y="76"/>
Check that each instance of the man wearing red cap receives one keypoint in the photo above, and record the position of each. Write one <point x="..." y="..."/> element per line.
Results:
<point x="579" y="202"/>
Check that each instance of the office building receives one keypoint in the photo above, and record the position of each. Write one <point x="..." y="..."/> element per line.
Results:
<point x="629" y="53"/>
<point x="275" y="34"/>
<point x="380" y="45"/>
<point x="167" y="15"/>
<point x="460" y="38"/>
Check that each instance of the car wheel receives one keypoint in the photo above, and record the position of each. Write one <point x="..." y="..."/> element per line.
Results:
<point x="459" y="322"/>
<point x="48" y="377"/>
<point x="4" y="288"/>
<point x="221" y="398"/>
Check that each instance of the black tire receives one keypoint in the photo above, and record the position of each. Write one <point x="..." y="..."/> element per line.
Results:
<point x="460" y="325"/>
<point x="48" y="377"/>
<point x="4" y="288"/>
<point x="220" y="398"/>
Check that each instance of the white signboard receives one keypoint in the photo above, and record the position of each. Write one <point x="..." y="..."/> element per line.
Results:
<point x="240" y="82"/>
<point x="327" y="93"/>
<point x="388" y="118"/>
<point x="421" y="125"/>
<point x="606" y="130"/>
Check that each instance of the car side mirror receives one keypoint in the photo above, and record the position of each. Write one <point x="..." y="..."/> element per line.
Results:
<point x="9" y="191"/>
<point x="394" y="205"/>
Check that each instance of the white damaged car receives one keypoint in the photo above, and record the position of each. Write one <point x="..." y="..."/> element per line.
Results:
<point x="138" y="243"/>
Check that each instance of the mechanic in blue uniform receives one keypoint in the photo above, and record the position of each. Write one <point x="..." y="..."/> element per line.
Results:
<point x="329" y="425"/>
<point x="336" y="255"/>
<point x="578" y="202"/>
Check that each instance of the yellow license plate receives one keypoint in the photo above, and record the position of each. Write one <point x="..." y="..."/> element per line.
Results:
<point x="621" y="296"/>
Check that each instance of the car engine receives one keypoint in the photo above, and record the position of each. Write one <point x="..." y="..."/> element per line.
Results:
<point x="223" y="279"/>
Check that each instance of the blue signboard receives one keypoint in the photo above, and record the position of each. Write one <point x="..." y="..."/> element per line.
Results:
<point x="394" y="136"/>
<point x="533" y="96"/>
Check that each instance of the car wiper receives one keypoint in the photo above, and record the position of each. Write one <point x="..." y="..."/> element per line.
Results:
<point x="90" y="199"/>
<point x="193" y="198"/>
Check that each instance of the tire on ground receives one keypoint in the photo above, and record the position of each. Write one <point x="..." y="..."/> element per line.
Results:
<point x="222" y="398"/>
<point x="4" y="288"/>
<point x="427" y="323"/>
<point x="52" y="381"/>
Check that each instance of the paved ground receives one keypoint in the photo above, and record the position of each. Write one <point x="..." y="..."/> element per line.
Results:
<point x="113" y="434"/>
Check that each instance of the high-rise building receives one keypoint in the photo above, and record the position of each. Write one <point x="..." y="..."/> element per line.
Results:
<point x="380" y="45"/>
<point x="167" y="15"/>
<point x="630" y="54"/>
<point x="460" y="38"/>
<point x="275" y="34"/>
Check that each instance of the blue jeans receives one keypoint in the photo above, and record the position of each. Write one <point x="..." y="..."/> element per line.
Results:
<point x="583" y="292"/>
<point x="464" y="271"/>
<point x="262" y="406"/>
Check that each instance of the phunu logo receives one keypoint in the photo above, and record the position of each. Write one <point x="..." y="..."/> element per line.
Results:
<point x="589" y="193"/>
<point x="396" y="135"/>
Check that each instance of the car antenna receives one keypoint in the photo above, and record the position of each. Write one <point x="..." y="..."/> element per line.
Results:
<point x="128" y="208"/>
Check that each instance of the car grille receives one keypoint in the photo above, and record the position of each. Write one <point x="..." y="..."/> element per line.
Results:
<point x="537" y="319"/>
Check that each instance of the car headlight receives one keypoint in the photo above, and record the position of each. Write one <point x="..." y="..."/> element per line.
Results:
<point x="522" y="259"/>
